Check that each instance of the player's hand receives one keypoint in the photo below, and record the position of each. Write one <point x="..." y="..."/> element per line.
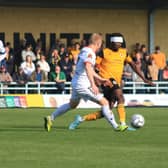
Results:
<point x="108" y="83"/>
<point x="95" y="89"/>
<point x="149" y="82"/>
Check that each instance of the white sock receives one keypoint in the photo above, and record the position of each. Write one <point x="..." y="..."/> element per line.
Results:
<point x="109" y="116"/>
<point x="60" y="110"/>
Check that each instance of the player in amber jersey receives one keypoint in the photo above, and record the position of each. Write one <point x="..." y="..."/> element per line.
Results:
<point x="110" y="66"/>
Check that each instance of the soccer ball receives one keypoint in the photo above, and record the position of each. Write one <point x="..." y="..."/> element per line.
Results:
<point x="137" y="121"/>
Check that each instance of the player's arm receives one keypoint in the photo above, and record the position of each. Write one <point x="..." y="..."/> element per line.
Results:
<point x="139" y="72"/>
<point x="91" y="74"/>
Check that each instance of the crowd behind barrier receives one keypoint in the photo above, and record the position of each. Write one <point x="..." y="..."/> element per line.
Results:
<point x="29" y="69"/>
<point x="49" y="88"/>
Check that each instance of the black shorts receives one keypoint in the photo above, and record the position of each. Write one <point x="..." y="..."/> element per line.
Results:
<point x="109" y="92"/>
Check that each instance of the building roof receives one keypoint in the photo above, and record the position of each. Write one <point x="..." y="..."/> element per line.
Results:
<point x="113" y="4"/>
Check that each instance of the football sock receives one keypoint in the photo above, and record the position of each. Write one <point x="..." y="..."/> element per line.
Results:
<point x="60" y="110"/>
<point x="109" y="116"/>
<point x="121" y="113"/>
<point x="92" y="116"/>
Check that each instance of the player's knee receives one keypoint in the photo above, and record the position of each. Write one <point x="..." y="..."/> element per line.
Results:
<point x="74" y="104"/>
<point x="104" y="102"/>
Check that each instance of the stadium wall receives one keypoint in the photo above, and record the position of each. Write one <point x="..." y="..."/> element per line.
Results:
<point x="160" y="29"/>
<point x="132" y="23"/>
<point x="52" y="101"/>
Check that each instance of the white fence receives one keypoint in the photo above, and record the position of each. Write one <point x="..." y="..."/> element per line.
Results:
<point x="50" y="87"/>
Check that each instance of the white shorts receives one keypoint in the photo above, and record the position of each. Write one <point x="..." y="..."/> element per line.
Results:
<point x="86" y="94"/>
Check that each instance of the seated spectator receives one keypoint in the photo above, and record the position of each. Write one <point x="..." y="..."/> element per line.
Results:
<point x="28" y="66"/>
<point x="28" y="51"/>
<point x="66" y="66"/>
<point x="59" y="77"/>
<point x="21" y="79"/>
<point x="38" y="75"/>
<point x="44" y="64"/>
<point x="5" y="78"/>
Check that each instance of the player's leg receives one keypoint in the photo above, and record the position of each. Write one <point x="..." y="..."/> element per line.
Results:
<point x="89" y="117"/>
<point x="74" y="101"/>
<point x="108" y="114"/>
<point x="95" y="115"/>
<point x="48" y="120"/>
<point x="107" y="92"/>
<point x="120" y="106"/>
<point x="105" y="110"/>
<point x="85" y="94"/>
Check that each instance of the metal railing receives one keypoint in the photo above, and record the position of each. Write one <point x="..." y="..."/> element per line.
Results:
<point x="50" y="87"/>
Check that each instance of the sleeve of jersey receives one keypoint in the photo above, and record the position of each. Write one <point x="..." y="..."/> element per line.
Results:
<point x="89" y="59"/>
<point x="2" y="56"/>
<point x="128" y="59"/>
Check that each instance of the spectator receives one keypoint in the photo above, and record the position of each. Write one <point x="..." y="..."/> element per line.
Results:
<point x="17" y="52"/>
<point x="153" y="70"/>
<point x="128" y="73"/>
<point x="38" y="52"/>
<point x="9" y="58"/>
<point x="5" y="78"/>
<point x="74" y="52"/>
<point x="143" y="50"/>
<point x="21" y="79"/>
<point x="138" y="60"/>
<point x="28" y="51"/>
<point x="59" y="77"/>
<point x="136" y="49"/>
<point x="66" y="66"/>
<point x="38" y="75"/>
<point x="165" y="73"/>
<point x="160" y="60"/>
<point x="44" y="65"/>
<point x="83" y="43"/>
<point x="165" y="78"/>
<point x="128" y="77"/>
<point x="28" y="66"/>
<point x="62" y="51"/>
<point x="146" y="61"/>
<point x="54" y="58"/>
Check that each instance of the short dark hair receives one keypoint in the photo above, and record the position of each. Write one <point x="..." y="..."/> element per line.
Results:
<point x="157" y="48"/>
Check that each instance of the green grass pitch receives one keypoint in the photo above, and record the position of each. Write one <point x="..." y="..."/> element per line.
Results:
<point x="25" y="144"/>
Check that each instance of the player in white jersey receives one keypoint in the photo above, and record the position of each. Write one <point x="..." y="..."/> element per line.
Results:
<point x="2" y="52"/>
<point x="83" y="85"/>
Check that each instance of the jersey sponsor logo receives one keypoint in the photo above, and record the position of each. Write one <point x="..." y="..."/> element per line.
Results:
<point x="90" y="56"/>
